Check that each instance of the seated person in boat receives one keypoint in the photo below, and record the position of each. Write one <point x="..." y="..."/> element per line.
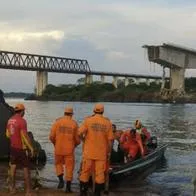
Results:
<point x="131" y="142"/>
<point x="117" y="153"/>
<point x="144" y="133"/>
<point x="152" y="143"/>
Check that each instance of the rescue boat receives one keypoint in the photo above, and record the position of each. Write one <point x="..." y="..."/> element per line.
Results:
<point x="119" y="171"/>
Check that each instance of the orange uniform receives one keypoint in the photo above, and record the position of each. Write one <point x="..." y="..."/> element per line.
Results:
<point x="132" y="143"/>
<point x="65" y="138"/>
<point x="97" y="131"/>
<point x="17" y="132"/>
<point x="19" y="140"/>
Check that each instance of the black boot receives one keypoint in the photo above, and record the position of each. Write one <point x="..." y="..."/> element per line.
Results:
<point x="83" y="188"/>
<point x="61" y="182"/>
<point x="98" y="189"/>
<point x="68" y="187"/>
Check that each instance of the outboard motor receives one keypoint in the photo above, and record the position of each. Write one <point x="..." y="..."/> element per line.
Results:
<point x="152" y="142"/>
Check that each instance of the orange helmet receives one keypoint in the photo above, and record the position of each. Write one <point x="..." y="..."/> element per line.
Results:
<point x="138" y="124"/>
<point x="68" y="110"/>
<point x="99" y="108"/>
<point x="19" y="107"/>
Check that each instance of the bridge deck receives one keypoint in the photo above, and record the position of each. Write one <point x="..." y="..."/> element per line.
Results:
<point x="34" y="62"/>
<point x="172" y="56"/>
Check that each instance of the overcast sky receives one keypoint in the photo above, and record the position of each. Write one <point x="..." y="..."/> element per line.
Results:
<point x="108" y="33"/>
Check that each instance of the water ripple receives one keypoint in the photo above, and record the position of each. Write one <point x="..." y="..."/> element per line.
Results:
<point x="172" y="124"/>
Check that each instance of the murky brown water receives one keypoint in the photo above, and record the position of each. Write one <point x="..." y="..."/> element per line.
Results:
<point x="174" y="125"/>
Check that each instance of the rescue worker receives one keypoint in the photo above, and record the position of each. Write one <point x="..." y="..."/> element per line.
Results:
<point x="19" y="144"/>
<point x="117" y="153"/>
<point x="142" y="130"/>
<point x="97" y="133"/>
<point x="64" y="136"/>
<point x="132" y="144"/>
<point x="145" y="135"/>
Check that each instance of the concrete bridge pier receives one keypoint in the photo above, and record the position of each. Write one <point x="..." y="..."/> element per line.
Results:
<point x="115" y="81"/>
<point x="157" y="81"/>
<point x="41" y="82"/>
<point x="148" y="82"/>
<point x="177" y="76"/>
<point x="137" y="81"/>
<point x="88" y="79"/>
<point x="126" y="81"/>
<point x="102" y="79"/>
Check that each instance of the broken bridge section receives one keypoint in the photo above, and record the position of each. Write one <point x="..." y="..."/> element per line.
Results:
<point x="176" y="58"/>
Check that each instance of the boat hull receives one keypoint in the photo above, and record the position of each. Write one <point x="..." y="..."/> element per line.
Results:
<point x="138" y="166"/>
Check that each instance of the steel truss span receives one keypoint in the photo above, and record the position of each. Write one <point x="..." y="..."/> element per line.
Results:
<point x="34" y="62"/>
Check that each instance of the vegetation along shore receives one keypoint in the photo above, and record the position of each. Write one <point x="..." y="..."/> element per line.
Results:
<point x="108" y="93"/>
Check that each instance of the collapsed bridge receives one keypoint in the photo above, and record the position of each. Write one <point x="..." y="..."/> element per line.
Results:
<point x="177" y="59"/>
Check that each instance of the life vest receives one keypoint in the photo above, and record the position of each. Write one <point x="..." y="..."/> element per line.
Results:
<point x="132" y="144"/>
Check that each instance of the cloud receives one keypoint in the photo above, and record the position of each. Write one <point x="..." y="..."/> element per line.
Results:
<point x="108" y="33"/>
<point x="116" y="55"/>
<point x="24" y="36"/>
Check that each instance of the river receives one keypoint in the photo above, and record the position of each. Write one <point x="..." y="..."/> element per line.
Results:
<point x="173" y="124"/>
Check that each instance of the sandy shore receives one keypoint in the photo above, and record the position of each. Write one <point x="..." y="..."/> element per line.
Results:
<point x="48" y="192"/>
<point x="40" y="192"/>
<point x="54" y="192"/>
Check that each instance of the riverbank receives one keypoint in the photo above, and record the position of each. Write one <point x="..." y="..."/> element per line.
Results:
<point x="54" y="192"/>
<point x="43" y="191"/>
<point x="58" y="193"/>
<point x="100" y="92"/>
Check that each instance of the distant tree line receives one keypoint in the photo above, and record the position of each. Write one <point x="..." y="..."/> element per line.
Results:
<point x="190" y="84"/>
<point x="16" y="94"/>
<point x="102" y="92"/>
<point x="107" y="92"/>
